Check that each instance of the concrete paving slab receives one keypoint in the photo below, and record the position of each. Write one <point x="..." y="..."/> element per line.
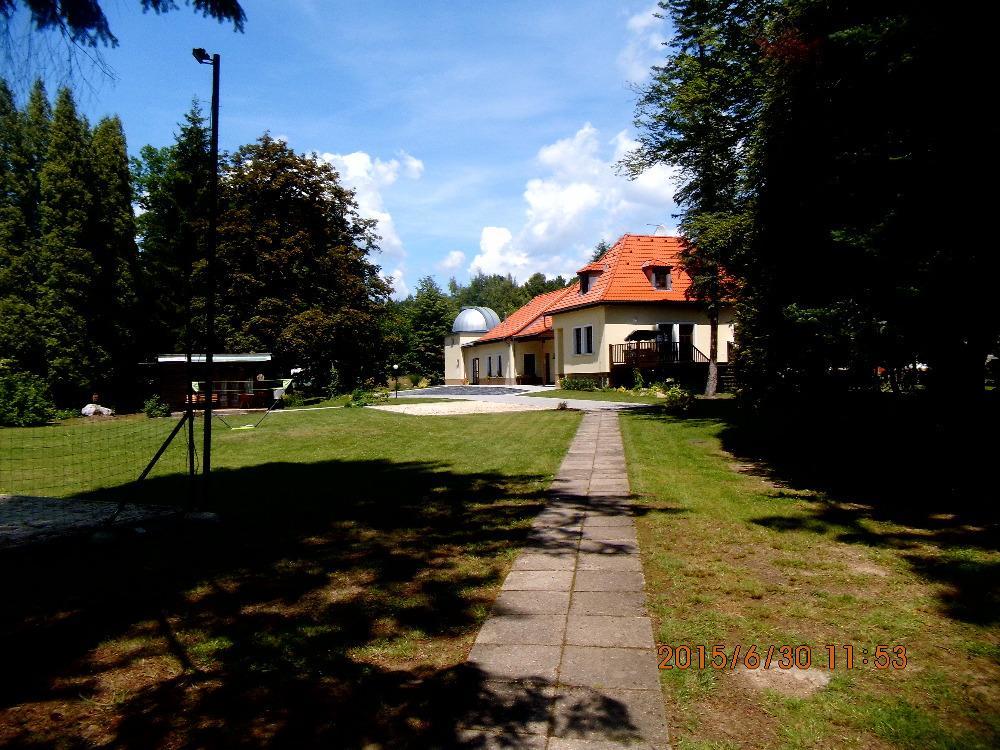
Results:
<point x="598" y="520"/>
<point x="601" y="668"/>
<point x="619" y="716"/>
<point x="601" y="561"/>
<point x="546" y="560"/>
<point x="608" y="580"/>
<point x="608" y="631"/>
<point x="511" y="708"/>
<point x="538" y="580"/>
<point x="484" y="739"/>
<point x="631" y="603"/>
<point x="524" y="630"/>
<point x="524" y="663"/>
<point x="531" y="603"/>
<point x="610" y="533"/>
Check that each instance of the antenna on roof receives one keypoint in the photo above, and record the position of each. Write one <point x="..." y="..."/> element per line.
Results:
<point x="658" y="228"/>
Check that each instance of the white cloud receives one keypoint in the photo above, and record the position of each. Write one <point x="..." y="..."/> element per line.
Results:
<point x="497" y="253"/>
<point x="452" y="260"/>
<point x="398" y="281"/>
<point x="368" y="178"/>
<point x="578" y="200"/>
<point x="412" y="166"/>
<point x="644" y="47"/>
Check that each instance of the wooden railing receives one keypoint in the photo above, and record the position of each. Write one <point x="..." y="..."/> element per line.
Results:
<point x="655" y="353"/>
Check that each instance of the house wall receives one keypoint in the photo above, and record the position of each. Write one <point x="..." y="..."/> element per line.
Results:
<point x="539" y="349"/>
<point x="492" y="349"/>
<point x="621" y="320"/>
<point x="569" y="364"/>
<point x="455" y="371"/>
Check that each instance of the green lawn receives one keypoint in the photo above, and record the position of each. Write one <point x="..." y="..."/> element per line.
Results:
<point x="358" y="552"/>
<point x="737" y="554"/>
<point x="616" y="396"/>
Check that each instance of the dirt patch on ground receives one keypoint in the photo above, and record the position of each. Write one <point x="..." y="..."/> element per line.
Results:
<point x="794" y="682"/>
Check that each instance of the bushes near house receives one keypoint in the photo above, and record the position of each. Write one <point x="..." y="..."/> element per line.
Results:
<point x="24" y="400"/>
<point x="367" y="397"/>
<point x="580" y="384"/>
<point x="154" y="406"/>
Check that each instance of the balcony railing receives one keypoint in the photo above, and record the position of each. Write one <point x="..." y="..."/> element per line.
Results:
<point x="655" y="353"/>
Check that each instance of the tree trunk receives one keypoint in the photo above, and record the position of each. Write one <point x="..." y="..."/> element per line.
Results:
<point x="712" y="386"/>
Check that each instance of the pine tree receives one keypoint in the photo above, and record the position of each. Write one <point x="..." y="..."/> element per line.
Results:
<point x="116" y="256"/>
<point x="75" y="359"/>
<point x="171" y="186"/>
<point x="698" y="114"/>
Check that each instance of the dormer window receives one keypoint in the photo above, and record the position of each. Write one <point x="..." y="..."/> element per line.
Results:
<point x="584" y="283"/>
<point x="661" y="278"/>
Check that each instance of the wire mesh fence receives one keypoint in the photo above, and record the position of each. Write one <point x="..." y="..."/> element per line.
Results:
<point x="92" y="457"/>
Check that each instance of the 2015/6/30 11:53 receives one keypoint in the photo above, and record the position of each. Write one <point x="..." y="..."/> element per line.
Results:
<point x="844" y="656"/>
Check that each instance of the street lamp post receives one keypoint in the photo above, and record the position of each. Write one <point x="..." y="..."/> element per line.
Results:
<point x="395" y="378"/>
<point x="204" y="58"/>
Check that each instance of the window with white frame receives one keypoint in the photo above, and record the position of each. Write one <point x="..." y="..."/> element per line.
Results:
<point x="489" y="367"/>
<point x="583" y="340"/>
<point x="499" y="366"/>
<point x="584" y="283"/>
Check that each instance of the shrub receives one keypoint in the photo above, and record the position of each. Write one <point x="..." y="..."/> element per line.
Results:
<point x="640" y="382"/>
<point x="367" y="397"/>
<point x="292" y="399"/>
<point x="677" y="400"/>
<point x="24" y="400"/>
<point x="580" y="384"/>
<point x="154" y="406"/>
<point x="415" y="379"/>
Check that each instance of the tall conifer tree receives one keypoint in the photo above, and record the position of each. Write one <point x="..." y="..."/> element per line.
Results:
<point x="76" y="360"/>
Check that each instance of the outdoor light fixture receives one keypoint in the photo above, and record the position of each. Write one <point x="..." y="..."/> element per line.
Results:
<point x="395" y="378"/>
<point x="202" y="56"/>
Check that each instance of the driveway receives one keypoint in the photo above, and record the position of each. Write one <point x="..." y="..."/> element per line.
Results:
<point x="512" y="395"/>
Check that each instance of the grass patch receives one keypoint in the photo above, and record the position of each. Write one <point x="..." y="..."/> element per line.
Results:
<point x="332" y="606"/>
<point x="734" y="554"/>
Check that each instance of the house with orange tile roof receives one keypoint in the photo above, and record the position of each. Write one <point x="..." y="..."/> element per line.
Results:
<point x="627" y="311"/>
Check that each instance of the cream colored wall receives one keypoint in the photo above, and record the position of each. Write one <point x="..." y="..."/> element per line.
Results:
<point x="623" y="319"/>
<point x="454" y="359"/>
<point x="497" y="348"/>
<point x="539" y="349"/>
<point x="568" y="363"/>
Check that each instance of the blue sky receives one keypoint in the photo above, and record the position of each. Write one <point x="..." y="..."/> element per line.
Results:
<point x="481" y="136"/>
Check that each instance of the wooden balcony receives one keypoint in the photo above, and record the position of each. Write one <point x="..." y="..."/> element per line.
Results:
<point x="655" y="353"/>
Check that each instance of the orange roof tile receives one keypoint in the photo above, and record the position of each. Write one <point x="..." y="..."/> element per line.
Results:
<point x="625" y="278"/>
<point x="530" y="320"/>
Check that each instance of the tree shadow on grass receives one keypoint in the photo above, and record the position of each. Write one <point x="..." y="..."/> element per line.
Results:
<point x="923" y="466"/>
<point x="297" y="620"/>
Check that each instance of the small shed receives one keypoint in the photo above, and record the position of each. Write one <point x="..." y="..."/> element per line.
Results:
<point x="245" y="380"/>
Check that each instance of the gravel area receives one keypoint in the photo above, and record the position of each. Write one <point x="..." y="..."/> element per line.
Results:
<point x="465" y="407"/>
<point x="29" y="520"/>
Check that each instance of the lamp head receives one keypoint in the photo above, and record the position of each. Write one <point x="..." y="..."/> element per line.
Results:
<point x="395" y="367"/>
<point x="201" y="55"/>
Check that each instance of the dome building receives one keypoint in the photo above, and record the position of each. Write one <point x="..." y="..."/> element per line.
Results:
<point x="470" y="325"/>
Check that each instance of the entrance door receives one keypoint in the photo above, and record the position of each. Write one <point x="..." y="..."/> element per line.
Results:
<point x="548" y="369"/>
<point x="475" y="370"/>
<point x="685" y="349"/>
<point x="529" y="366"/>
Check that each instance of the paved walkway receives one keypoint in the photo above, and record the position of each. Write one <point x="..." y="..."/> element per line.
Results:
<point x="567" y="657"/>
